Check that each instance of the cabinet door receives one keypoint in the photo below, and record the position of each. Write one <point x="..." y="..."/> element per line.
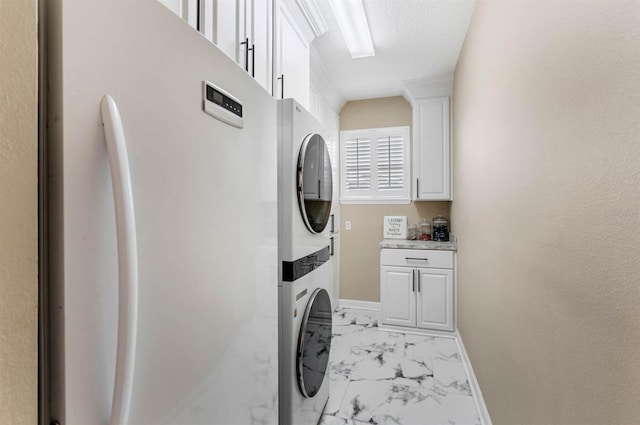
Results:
<point x="397" y="296"/>
<point x="431" y="149"/>
<point x="292" y="60"/>
<point x="262" y="20"/>
<point x="435" y="299"/>
<point x="226" y="32"/>
<point x="256" y="25"/>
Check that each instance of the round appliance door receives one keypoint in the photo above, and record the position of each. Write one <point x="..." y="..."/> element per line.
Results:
<point x="314" y="343"/>
<point x="315" y="183"/>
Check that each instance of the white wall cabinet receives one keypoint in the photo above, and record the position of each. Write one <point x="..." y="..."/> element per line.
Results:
<point x="432" y="149"/>
<point x="291" y="57"/>
<point x="270" y="39"/>
<point x="255" y="28"/>
<point x="243" y="29"/>
<point x="416" y="289"/>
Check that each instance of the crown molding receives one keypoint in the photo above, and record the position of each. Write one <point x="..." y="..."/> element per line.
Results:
<point x="305" y="17"/>
<point x="292" y="13"/>
<point x="312" y="14"/>
<point x="428" y="87"/>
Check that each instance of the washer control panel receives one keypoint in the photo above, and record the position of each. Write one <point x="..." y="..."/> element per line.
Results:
<point x="221" y="105"/>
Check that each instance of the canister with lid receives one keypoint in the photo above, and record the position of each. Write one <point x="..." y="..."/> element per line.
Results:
<point x="440" y="229"/>
<point x="412" y="232"/>
<point x="424" y="230"/>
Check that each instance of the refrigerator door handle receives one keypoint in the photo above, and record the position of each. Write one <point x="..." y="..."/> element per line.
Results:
<point x="127" y="261"/>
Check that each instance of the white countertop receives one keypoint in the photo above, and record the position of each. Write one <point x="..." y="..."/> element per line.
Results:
<point x="407" y="244"/>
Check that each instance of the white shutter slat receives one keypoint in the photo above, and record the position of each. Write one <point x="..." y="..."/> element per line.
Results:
<point x="358" y="164"/>
<point x="391" y="161"/>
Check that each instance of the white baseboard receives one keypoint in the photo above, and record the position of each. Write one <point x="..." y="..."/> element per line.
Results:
<point x="485" y="419"/>
<point x="417" y="331"/>
<point x="361" y="305"/>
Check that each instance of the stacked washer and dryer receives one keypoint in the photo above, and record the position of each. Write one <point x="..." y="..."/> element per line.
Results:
<point x="305" y="191"/>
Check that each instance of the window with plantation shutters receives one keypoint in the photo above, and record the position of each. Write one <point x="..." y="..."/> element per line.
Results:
<point x="375" y="165"/>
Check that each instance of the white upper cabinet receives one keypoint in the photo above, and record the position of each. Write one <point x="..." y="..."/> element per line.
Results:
<point x="243" y="29"/>
<point x="431" y="149"/>
<point x="255" y="29"/>
<point x="226" y="34"/>
<point x="269" y="39"/>
<point x="291" y="57"/>
<point x="431" y="102"/>
<point x="297" y="24"/>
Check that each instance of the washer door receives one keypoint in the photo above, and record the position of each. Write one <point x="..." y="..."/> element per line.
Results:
<point x="314" y="343"/>
<point x="315" y="183"/>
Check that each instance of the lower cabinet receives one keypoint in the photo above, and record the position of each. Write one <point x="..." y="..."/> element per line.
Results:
<point x="414" y="292"/>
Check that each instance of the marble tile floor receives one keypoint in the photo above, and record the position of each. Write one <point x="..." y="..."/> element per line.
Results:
<point x="379" y="377"/>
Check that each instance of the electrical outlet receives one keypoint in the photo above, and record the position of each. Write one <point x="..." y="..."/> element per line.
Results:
<point x="347" y="225"/>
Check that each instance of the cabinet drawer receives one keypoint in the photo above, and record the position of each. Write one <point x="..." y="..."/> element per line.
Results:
<point x="417" y="258"/>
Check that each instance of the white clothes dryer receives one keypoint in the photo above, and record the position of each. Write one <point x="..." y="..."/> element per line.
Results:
<point x="304" y="206"/>
<point x="305" y="183"/>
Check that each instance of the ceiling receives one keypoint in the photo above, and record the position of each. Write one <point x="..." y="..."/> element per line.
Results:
<point x="413" y="39"/>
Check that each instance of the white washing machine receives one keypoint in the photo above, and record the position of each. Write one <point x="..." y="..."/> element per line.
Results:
<point x="305" y="337"/>
<point x="305" y="193"/>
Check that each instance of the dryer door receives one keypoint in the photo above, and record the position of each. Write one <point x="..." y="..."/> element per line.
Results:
<point x="314" y="343"/>
<point x="315" y="183"/>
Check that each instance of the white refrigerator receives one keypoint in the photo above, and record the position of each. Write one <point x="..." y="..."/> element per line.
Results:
<point x="178" y="297"/>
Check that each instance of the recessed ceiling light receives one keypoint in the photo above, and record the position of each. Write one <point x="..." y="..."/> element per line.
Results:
<point x="354" y="27"/>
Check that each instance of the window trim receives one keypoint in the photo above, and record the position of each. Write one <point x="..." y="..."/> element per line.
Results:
<point x="374" y="195"/>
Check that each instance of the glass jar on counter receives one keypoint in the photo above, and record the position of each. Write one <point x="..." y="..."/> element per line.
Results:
<point x="440" y="229"/>
<point x="425" y="230"/>
<point x="412" y="232"/>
